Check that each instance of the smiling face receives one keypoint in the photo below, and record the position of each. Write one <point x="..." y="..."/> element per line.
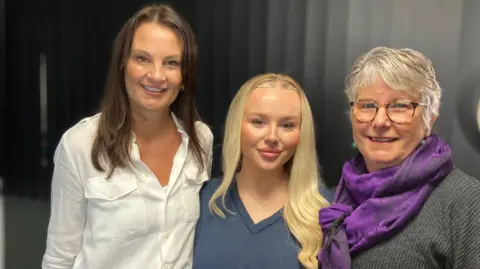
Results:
<point x="153" y="76"/>
<point x="270" y="129"/>
<point x="382" y="142"/>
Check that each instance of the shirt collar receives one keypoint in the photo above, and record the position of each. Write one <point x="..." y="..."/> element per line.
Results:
<point x="178" y="122"/>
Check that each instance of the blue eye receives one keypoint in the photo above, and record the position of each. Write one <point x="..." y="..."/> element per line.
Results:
<point x="288" y="125"/>
<point x="399" y="105"/>
<point x="257" y="122"/>
<point x="369" y="105"/>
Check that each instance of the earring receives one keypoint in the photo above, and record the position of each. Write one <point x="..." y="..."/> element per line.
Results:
<point x="354" y="145"/>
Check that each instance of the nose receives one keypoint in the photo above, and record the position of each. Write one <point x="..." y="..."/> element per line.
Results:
<point x="381" y="119"/>
<point x="157" y="73"/>
<point x="272" y="135"/>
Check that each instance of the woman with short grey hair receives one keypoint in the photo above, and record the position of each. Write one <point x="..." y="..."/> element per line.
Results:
<point x="400" y="203"/>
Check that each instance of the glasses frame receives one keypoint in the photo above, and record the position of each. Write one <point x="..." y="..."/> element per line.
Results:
<point x="378" y="106"/>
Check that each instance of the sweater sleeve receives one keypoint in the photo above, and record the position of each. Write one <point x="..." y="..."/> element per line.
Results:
<point x="465" y="225"/>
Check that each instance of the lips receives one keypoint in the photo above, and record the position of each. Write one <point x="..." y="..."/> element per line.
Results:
<point x="153" y="90"/>
<point x="270" y="153"/>
<point x="270" y="150"/>
<point x="382" y="139"/>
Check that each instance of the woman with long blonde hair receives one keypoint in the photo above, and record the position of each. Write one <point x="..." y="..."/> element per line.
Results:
<point x="263" y="212"/>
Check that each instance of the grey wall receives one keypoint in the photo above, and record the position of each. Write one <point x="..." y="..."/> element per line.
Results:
<point x="446" y="31"/>
<point x="316" y="41"/>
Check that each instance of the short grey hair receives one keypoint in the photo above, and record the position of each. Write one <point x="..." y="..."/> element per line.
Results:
<point x="403" y="70"/>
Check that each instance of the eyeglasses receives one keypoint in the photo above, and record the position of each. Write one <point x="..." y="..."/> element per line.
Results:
<point x="400" y="111"/>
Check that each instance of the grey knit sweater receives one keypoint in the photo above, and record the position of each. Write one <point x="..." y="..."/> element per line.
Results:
<point x="445" y="234"/>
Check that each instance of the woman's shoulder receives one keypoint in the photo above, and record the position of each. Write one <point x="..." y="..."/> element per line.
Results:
<point x="461" y="191"/>
<point x="210" y="186"/>
<point x="83" y="128"/>
<point x="80" y="136"/>
<point x="204" y="132"/>
<point x="460" y="184"/>
<point x="75" y="146"/>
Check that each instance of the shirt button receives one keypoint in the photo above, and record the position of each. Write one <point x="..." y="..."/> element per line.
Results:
<point x="166" y="266"/>
<point x="166" y="235"/>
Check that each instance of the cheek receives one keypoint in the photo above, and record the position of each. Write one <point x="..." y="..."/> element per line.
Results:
<point x="413" y="133"/>
<point x="358" y="129"/>
<point x="133" y="74"/>
<point x="291" y="139"/>
<point x="175" y="77"/>
<point x="132" y="71"/>
<point x="250" y="135"/>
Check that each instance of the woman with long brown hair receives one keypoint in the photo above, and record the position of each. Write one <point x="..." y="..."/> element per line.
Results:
<point x="126" y="181"/>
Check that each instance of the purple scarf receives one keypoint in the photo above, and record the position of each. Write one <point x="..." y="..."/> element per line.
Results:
<point x="371" y="207"/>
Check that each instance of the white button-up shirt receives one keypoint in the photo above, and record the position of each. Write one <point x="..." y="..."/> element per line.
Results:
<point x="128" y="221"/>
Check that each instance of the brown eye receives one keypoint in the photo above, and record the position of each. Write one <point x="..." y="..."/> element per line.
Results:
<point x="173" y="63"/>
<point x="141" y="59"/>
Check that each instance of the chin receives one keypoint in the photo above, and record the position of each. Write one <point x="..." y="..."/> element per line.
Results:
<point x="269" y="166"/>
<point x="153" y="107"/>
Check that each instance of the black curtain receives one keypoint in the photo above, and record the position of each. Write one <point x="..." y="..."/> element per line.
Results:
<point x="22" y="95"/>
<point x="57" y="55"/>
<point x="2" y="92"/>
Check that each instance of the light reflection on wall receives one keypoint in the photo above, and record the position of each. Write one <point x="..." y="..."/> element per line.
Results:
<point x="478" y="114"/>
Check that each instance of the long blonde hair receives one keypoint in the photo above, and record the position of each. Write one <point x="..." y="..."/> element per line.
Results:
<point x="304" y="200"/>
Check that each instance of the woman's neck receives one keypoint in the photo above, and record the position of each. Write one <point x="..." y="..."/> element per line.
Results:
<point x="149" y="126"/>
<point x="261" y="183"/>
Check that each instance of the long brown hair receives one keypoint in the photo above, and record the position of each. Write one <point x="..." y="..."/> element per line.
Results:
<point x="111" y="147"/>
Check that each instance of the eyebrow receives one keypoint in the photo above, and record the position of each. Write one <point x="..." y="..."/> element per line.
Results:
<point x="174" y="57"/>
<point x="289" y="117"/>
<point x="170" y="57"/>
<point x="368" y="100"/>
<point x="139" y="51"/>
<point x="393" y="100"/>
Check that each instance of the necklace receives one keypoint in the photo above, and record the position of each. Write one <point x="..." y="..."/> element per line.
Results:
<point x="264" y="204"/>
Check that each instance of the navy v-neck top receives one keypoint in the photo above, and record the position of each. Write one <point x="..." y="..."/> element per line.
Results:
<point x="236" y="242"/>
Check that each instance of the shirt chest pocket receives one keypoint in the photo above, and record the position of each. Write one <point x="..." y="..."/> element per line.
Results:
<point x="115" y="208"/>
<point x="190" y="192"/>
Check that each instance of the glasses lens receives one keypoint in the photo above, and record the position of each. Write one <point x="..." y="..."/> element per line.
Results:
<point x="364" y="110"/>
<point x="401" y="111"/>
